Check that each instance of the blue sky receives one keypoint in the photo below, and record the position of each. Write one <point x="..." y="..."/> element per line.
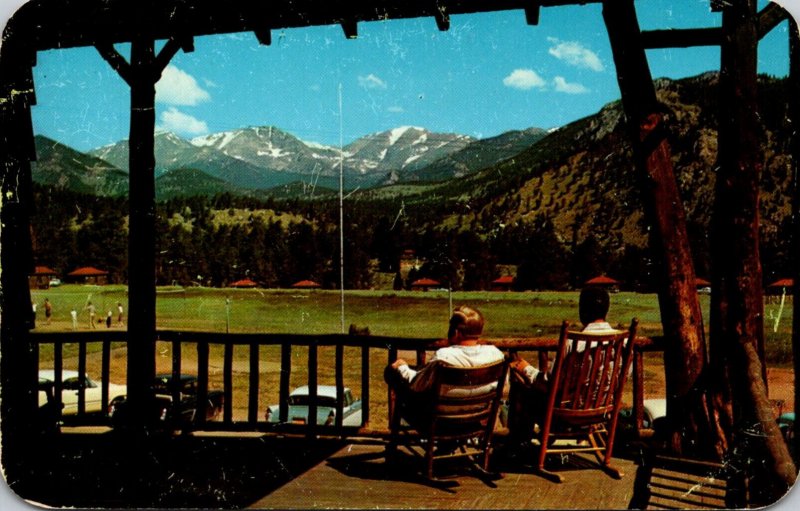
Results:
<point x="488" y="74"/>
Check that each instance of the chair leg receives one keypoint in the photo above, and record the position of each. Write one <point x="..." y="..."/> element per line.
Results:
<point x="539" y="468"/>
<point x="394" y="431"/>
<point x="429" y="459"/>
<point x="604" y="456"/>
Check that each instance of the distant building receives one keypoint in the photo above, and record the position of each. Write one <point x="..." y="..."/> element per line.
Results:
<point x="504" y="283"/>
<point x="88" y="275"/>
<point x="425" y="284"/>
<point x="306" y="284"/>
<point x="603" y="281"/>
<point x="781" y="286"/>
<point x="244" y="283"/>
<point x="41" y="277"/>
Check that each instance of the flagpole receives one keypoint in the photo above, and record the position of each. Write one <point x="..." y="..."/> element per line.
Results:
<point x="341" y="210"/>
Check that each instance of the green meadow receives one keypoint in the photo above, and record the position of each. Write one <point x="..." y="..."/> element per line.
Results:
<point x="393" y="313"/>
<point x="389" y="313"/>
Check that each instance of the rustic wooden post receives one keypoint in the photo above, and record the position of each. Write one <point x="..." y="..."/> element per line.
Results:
<point x="18" y="365"/>
<point x="794" y="114"/>
<point x="685" y="354"/>
<point x="737" y="304"/>
<point x="141" y="74"/>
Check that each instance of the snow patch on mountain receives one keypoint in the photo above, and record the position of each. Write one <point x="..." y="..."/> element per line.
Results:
<point x="396" y="133"/>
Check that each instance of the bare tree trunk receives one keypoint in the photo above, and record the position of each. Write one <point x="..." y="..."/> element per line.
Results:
<point x="692" y="424"/>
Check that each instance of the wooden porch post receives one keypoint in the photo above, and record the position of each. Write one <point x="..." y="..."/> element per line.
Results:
<point x="141" y="74"/>
<point x="141" y="239"/>
<point x="737" y="302"/>
<point x="685" y="355"/>
<point x="794" y="114"/>
<point x="18" y="365"/>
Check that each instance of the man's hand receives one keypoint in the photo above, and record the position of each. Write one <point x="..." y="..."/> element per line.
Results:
<point x="519" y="365"/>
<point x="399" y="362"/>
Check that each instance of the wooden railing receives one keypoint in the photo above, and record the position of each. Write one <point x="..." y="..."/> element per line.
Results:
<point x="286" y="342"/>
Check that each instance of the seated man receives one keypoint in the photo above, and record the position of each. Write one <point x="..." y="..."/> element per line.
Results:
<point x="529" y="384"/>
<point x="466" y="327"/>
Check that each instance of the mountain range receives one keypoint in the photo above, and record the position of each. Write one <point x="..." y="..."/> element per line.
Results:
<point x="580" y="177"/>
<point x="259" y="158"/>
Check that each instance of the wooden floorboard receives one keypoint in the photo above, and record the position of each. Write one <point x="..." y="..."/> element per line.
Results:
<point x="357" y="477"/>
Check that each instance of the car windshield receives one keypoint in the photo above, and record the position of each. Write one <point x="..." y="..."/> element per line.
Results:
<point x="304" y="400"/>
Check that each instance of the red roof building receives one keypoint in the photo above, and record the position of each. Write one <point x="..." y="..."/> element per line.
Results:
<point x="244" y="283"/>
<point x="700" y="282"/>
<point x="88" y="275"/>
<point x="306" y="284"/>
<point x="602" y="280"/>
<point x="783" y="283"/>
<point x="41" y="276"/>
<point x="425" y="284"/>
<point x="503" y="283"/>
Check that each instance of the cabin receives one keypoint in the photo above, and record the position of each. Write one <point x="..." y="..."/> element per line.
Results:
<point x="504" y="283"/>
<point x="41" y="277"/>
<point x="88" y="275"/>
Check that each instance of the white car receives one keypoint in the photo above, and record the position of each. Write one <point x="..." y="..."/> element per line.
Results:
<point x="71" y="385"/>
<point x="326" y="407"/>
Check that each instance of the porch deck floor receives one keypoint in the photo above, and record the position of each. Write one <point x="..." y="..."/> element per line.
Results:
<point x="357" y="477"/>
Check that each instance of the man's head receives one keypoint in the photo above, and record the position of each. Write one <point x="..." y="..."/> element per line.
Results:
<point x="593" y="304"/>
<point x="466" y="323"/>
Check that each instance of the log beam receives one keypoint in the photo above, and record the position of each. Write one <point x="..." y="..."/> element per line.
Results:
<point x="794" y="116"/>
<point x="681" y="38"/>
<point x="442" y="18"/>
<point x="737" y="301"/>
<point x="19" y="361"/>
<point x="770" y="17"/>
<point x="685" y="355"/>
<point x="350" y="29"/>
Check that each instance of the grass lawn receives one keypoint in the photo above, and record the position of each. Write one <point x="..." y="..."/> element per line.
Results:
<point x="402" y="313"/>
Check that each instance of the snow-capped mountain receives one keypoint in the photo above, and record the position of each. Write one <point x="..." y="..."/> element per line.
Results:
<point x="273" y="149"/>
<point x="266" y="156"/>
<point x="403" y="149"/>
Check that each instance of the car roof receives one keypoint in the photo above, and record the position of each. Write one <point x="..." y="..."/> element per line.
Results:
<point x="322" y="390"/>
<point x="657" y="407"/>
<point x="50" y="375"/>
<point x="166" y="377"/>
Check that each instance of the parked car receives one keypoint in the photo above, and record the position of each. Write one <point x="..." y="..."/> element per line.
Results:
<point x="163" y="385"/>
<point x="48" y="417"/>
<point x="299" y="400"/>
<point x="786" y="425"/>
<point x="655" y="412"/>
<point x="70" y="388"/>
<point x="55" y="282"/>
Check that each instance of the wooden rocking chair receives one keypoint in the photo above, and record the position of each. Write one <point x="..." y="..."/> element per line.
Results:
<point x="585" y="396"/>
<point x="456" y="419"/>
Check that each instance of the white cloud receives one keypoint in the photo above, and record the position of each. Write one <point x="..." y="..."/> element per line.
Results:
<point x="371" y="82"/>
<point x="561" y="85"/>
<point x="177" y="87"/>
<point x="396" y="109"/>
<point x="178" y="122"/>
<point x="573" y="53"/>
<point x="524" y="79"/>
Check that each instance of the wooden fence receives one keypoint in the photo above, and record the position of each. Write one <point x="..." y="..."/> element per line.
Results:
<point x="286" y="342"/>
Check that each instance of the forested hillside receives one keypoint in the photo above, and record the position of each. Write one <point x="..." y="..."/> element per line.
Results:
<point x="563" y="210"/>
